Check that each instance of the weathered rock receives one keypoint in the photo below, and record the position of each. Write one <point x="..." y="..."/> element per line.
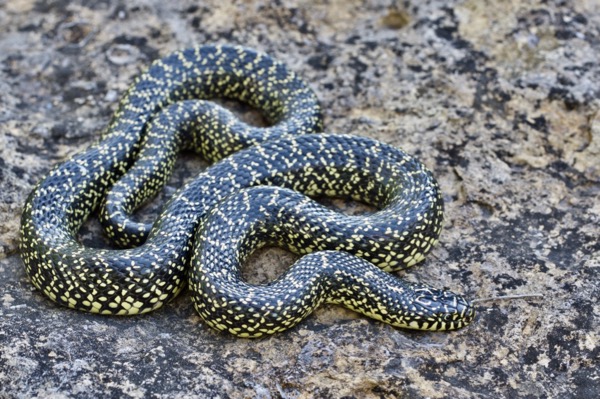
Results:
<point x="499" y="99"/>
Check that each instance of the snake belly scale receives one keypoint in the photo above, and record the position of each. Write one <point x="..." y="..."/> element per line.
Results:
<point x="258" y="192"/>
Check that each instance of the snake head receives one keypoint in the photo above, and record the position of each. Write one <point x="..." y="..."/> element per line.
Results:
<point x="442" y="310"/>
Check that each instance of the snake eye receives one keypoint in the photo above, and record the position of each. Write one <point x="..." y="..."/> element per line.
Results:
<point x="449" y="317"/>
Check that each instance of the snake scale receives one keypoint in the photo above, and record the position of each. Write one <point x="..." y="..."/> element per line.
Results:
<point x="256" y="193"/>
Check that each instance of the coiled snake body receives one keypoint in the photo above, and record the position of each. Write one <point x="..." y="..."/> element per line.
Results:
<point x="254" y="195"/>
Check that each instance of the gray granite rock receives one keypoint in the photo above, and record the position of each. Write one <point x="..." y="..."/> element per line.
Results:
<point x="499" y="99"/>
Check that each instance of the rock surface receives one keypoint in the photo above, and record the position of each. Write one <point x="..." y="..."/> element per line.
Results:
<point x="499" y="99"/>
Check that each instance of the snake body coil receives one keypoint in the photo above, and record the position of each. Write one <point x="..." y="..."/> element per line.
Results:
<point x="218" y="219"/>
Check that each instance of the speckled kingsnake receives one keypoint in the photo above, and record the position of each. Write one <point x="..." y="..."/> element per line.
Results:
<point x="213" y="223"/>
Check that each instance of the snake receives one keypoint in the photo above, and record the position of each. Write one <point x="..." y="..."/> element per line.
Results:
<point x="261" y="189"/>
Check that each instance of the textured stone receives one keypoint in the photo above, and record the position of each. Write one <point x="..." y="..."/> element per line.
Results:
<point x="499" y="99"/>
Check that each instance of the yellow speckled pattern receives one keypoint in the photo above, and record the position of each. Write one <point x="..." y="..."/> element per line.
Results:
<point x="211" y="225"/>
